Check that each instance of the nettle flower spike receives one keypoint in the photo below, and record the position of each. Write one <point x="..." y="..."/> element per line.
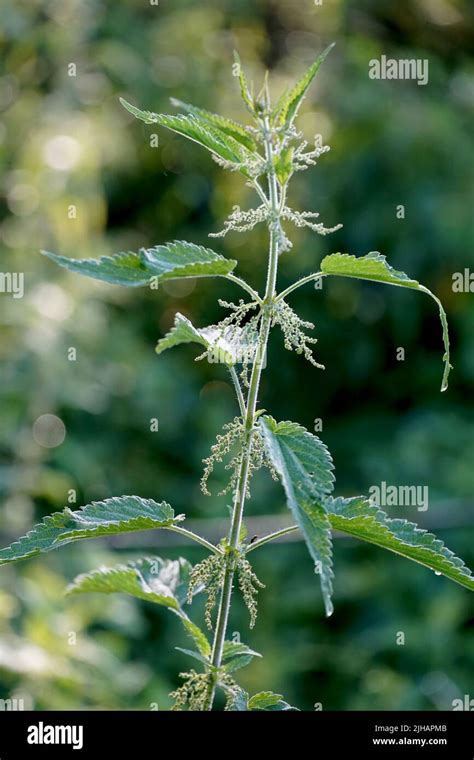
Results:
<point x="266" y="153"/>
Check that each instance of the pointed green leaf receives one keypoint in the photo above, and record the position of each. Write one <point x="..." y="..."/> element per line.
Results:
<point x="244" y="88"/>
<point x="236" y="655"/>
<point x="163" y="262"/>
<point x="306" y="471"/>
<point x="204" y="133"/>
<point x="374" y="267"/>
<point x="195" y="655"/>
<point x="284" y="164"/>
<point x="120" y="514"/>
<point x="121" y="269"/>
<point x="361" y="518"/>
<point x="228" y="126"/>
<point x="226" y="346"/>
<point x="288" y="105"/>
<point x="164" y="582"/>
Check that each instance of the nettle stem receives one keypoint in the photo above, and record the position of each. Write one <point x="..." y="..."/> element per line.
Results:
<point x="249" y="422"/>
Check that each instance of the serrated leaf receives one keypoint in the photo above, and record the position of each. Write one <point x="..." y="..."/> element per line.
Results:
<point x="306" y="471"/>
<point x="237" y="655"/>
<point x="264" y="699"/>
<point x="162" y="262"/>
<point x="202" y="132"/>
<point x="228" y="126"/>
<point x="374" y="267"/>
<point x="227" y="346"/>
<point x="361" y="518"/>
<point x="267" y="700"/>
<point x="120" y="514"/>
<point x="288" y="105"/>
<point x="164" y="582"/>
<point x="239" y="700"/>
<point x="181" y="259"/>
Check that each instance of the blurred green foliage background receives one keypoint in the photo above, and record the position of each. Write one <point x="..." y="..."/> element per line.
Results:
<point x="66" y="141"/>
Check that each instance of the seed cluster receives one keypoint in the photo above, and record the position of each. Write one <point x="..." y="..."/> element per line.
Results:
<point x="192" y="694"/>
<point x="225" y="442"/>
<point x="292" y="327"/>
<point x="249" y="585"/>
<point x="208" y="574"/>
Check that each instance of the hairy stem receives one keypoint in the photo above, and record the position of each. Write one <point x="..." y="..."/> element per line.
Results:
<point x="238" y="391"/>
<point x="193" y="537"/>
<point x="249" y="421"/>
<point x="244" y="285"/>
<point x="299" y="283"/>
<point x="271" y="537"/>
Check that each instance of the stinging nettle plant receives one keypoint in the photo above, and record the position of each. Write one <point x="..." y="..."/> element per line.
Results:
<point x="267" y="154"/>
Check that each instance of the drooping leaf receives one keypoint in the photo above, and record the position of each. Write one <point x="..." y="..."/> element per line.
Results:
<point x="237" y="655"/>
<point x="306" y="471"/>
<point x="288" y="105"/>
<point x="361" y="518"/>
<point x="164" y="582"/>
<point x="204" y="133"/>
<point x="120" y="514"/>
<point x="153" y="579"/>
<point x="162" y="262"/>
<point x="374" y="267"/>
<point x="228" y="126"/>
<point x="227" y="346"/>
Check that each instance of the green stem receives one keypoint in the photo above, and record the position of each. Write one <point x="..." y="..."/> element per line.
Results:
<point x="249" y="420"/>
<point x="194" y="537"/>
<point x="244" y="285"/>
<point x="298" y="284"/>
<point x="238" y="392"/>
<point x="271" y="537"/>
